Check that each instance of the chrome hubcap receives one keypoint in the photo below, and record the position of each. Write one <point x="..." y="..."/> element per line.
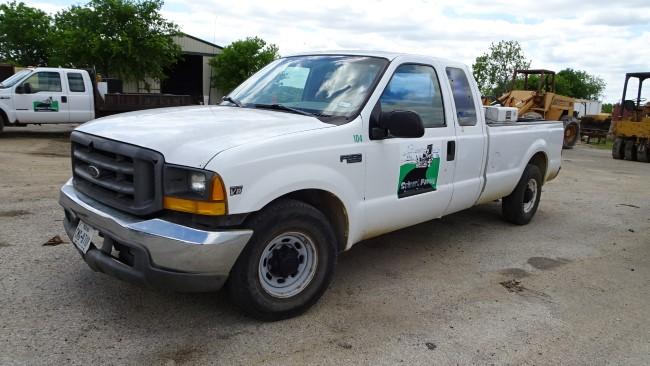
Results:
<point x="287" y="265"/>
<point x="530" y="195"/>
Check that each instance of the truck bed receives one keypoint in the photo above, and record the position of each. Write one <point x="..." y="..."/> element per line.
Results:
<point x="509" y="148"/>
<point x="119" y="103"/>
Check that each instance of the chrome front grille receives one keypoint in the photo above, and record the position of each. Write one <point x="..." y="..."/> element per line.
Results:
<point x="120" y="175"/>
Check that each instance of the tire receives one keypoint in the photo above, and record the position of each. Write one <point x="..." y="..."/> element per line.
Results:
<point x="261" y="283"/>
<point x="618" y="148"/>
<point x="643" y="152"/>
<point x="571" y="133"/>
<point x="2" y="122"/>
<point x="630" y="150"/>
<point x="520" y="206"/>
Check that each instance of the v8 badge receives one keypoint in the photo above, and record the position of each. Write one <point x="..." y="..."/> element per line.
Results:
<point x="235" y="190"/>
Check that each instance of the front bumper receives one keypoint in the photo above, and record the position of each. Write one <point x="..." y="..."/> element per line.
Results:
<point x="153" y="252"/>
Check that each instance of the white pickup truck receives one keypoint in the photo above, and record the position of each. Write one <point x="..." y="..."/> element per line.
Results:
<point x="48" y="95"/>
<point x="309" y="156"/>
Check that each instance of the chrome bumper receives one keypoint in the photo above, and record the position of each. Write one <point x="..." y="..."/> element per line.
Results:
<point x="169" y="250"/>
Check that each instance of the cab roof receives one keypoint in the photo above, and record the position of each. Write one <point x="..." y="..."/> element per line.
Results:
<point x="369" y="53"/>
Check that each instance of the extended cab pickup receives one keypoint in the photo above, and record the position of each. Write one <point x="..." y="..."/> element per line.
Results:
<point x="309" y="156"/>
<point x="47" y="95"/>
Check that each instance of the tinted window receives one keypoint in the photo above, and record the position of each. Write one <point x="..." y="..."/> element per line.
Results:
<point x="465" y="108"/>
<point x="415" y="88"/>
<point x="13" y="79"/>
<point x="332" y="87"/>
<point x="44" y="82"/>
<point x="76" y="82"/>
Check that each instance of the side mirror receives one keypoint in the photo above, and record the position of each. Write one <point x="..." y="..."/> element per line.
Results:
<point x="20" y="90"/>
<point x="406" y="124"/>
<point x="27" y="88"/>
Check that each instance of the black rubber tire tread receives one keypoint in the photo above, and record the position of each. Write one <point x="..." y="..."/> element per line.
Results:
<point x="281" y="216"/>
<point x="618" y="148"/>
<point x="2" y="122"/>
<point x="572" y="143"/>
<point x="630" y="150"/>
<point x="643" y="152"/>
<point x="511" y="205"/>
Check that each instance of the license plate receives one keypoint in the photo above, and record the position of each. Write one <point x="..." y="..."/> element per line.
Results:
<point x="83" y="236"/>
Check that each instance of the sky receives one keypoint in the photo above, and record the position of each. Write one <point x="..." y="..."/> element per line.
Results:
<point x="603" y="37"/>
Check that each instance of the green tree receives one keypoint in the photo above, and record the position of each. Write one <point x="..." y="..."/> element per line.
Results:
<point x="128" y="39"/>
<point x="25" y="35"/>
<point x="239" y="60"/>
<point x="607" y="108"/>
<point x="579" y="84"/>
<point x="493" y="70"/>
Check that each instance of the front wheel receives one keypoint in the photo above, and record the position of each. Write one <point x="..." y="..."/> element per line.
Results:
<point x="520" y="206"/>
<point x="288" y="263"/>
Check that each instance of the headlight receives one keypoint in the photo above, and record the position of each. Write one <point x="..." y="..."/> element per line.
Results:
<point x="198" y="182"/>
<point x="193" y="190"/>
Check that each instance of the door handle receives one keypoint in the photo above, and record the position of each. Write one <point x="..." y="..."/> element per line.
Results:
<point x="64" y="99"/>
<point x="451" y="150"/>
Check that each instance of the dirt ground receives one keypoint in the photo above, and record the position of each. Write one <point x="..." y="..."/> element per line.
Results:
<point x="571" y="288"/>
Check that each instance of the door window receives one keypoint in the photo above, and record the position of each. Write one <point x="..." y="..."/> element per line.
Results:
<point x="415" y="88"/>
<point x="76" y="82"/>
<point x="465" y="108"/>
<point x="43" y="81"/>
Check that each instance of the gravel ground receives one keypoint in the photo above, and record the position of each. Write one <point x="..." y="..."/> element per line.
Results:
<point x="579" y="284"/>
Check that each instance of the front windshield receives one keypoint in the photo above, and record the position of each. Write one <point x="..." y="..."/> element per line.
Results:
<point x="333" y="88"/>
<point x="13" y="79"/>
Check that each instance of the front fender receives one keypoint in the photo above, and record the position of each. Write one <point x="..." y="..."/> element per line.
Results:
<point x="280" y="182"/>
<point x="262" y="186"/>
<point x="8" y="113"/>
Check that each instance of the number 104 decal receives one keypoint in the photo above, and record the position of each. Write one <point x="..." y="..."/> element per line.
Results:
<point x="418" y="171"/>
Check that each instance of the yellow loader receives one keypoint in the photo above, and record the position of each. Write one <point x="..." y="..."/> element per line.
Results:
<point x="631" y="123"/>
<point x="541" y="103"/>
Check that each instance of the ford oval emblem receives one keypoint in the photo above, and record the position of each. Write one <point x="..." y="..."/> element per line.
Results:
<point x="94" y="171"/>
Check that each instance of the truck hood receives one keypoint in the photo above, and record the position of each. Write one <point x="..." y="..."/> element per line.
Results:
<point x="192" y="136"/>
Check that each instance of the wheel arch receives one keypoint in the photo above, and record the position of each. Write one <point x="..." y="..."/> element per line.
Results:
<point x="540" y="160"/>
<point x="4" y="117"/>
<point x="330" y="205"/>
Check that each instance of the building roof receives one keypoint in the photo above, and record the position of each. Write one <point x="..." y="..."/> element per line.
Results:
<point x="202" y="41"/>
<point x="195" y="46"/>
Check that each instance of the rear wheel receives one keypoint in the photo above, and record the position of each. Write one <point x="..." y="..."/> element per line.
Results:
<point x="571" y="132"/>
<point x="288" y="263"/>
<point x="643" y="152"/>
<point x="630" y="150"/>
<point x="521" y="205"/>
<point x="618" y="148"/>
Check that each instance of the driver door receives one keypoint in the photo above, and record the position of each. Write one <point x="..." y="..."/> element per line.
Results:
<point x="42" y="99"/>
<point x="410" y="180"/>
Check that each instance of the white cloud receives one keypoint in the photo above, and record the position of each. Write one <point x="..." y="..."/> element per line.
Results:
<point x="603" y="37"/>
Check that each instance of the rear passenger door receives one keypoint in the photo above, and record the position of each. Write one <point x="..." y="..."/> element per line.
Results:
<point x="471" y="143"/>
<point x="79" y="97"/>
<point x="410" y="180"/>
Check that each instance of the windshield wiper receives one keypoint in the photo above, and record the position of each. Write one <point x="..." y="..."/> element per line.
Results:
<point x="282" y="107"/>
<point x="233" y="101"/>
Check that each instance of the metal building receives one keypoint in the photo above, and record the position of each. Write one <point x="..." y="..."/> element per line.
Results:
<point x="190" y="75"/>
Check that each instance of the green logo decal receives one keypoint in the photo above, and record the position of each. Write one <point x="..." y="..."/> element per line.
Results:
<point x="418" y="172"/>
<point x="357" y="138"/>
<point x="47" y="105"/>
